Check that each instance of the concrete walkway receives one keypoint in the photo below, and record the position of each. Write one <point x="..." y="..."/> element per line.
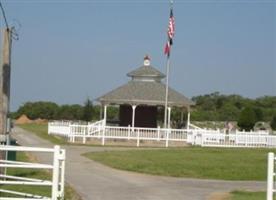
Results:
<point x="94" y="181"/>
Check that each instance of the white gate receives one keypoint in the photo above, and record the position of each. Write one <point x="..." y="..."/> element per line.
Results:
<point x="57" y="167"/>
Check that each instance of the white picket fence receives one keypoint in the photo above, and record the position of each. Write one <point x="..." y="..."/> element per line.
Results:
<point x="98" y="130"/>
<point x="194" y="135"/>
<point x="245" y="139"/>
<point x="57" y="167"/>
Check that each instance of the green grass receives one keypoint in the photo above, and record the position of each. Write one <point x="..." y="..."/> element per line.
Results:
<point x="70" y="194"/>
<point x="242" y="195"/>
<point x="41" y="130"/>
<point x="194" y="162"/>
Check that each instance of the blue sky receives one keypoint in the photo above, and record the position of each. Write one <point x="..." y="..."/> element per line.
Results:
<point x="71" y="50"/>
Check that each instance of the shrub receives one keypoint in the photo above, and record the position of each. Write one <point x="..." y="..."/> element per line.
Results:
<point x="273" y="122"/>
<point x="247" y="119"/>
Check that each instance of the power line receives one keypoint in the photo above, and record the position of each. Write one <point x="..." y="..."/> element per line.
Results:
<point x="14" y="33"/>
<point x="4" y="15"/>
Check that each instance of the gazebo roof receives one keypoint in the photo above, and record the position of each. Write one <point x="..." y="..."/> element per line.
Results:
<point x="145" y="88"/>
<point x="146" y="71"/>
<point x="145" y="93"/>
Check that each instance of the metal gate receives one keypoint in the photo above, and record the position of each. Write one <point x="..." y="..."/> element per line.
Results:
<point x="57" y="169"/>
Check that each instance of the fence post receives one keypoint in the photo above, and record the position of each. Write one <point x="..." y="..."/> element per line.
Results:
<point x="202" y="139"/>
<point x="62" y="173"/>
<point x="103" y="138"/>
<point x="55" y="174"/>
<point x="84" y="134"/>
<point x="270" y="176"/>
<point x="167" y="138"/>
<point x="158" y="133"/>
<point x="138" y="138"/>
<point x="70" y="133"/>
<point x="128" y="132"/>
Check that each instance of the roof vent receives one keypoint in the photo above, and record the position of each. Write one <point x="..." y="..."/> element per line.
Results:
<point x="147" y="60"/>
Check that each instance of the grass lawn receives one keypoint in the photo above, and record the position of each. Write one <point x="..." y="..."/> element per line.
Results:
<point x="41" y="130"/>
<point x="241" y="195"/>
<point x="70" y="194"/>
<point x="193" y="162"/>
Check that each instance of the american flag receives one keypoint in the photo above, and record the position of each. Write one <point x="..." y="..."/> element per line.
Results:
<point x="170" y="32"/>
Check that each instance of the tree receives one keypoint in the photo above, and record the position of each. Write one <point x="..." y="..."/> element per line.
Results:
<point x="259" y="114"/>
<point x="40" y="109"/>
<point x="228" y="112"/>
<point x="247" y="119"/>
<point x="273" y="123"/>
<point x="87" y="111"/>
<point x="97" y="112"/>
<point x="69" y="112"/>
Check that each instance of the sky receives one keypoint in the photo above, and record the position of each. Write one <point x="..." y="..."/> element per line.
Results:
<point x="69" y="51"/>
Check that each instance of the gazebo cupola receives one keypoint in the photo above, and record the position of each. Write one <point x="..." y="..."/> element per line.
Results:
<point x="146" y="72"/>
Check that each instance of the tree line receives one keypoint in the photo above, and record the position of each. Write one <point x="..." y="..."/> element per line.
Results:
<point x="209" y="107"/>
<point x="246" y="111"/>
<point x="52" y="111"/>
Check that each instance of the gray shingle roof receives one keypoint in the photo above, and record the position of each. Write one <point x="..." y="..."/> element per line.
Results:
<point x="146" y="71"/>
<point x="144" y="92"/>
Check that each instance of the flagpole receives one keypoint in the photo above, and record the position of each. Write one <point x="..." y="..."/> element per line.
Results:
<point x="167" y="92"/>
<point x="168" y="52"/>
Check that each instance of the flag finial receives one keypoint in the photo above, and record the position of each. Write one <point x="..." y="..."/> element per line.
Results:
<point x="171" y="2"/>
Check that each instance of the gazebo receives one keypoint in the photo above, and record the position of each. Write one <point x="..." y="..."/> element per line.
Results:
<point x="139" y="98"/>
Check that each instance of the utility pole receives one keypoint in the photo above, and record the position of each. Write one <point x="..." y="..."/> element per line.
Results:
<point x="5" y="75"/>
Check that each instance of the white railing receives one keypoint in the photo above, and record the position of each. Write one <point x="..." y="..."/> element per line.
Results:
<point x="69" y="128"/>
<point x="127" y="133"/>
<point x="192" y="126"/>
<point x="270" y="176"/>
<point x="84" y="131"/>
<point x="195" y="136"/>
<point x="260" y="132"/>
<point x="96" y="127"/>
<point x="100" y="131"/>
<point x="217" y="139"/>
<point x="57" y="167"/>
<point x="61" y="128"/>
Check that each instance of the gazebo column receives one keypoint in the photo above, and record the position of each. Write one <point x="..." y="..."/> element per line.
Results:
<point x="169" y="117"/>
<point x="188" y="119"/>
<point x="133" y="116"/>
<point x="105" y="116"/>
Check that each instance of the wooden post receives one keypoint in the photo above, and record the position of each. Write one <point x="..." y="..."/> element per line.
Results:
<point x="5" y="74"/>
